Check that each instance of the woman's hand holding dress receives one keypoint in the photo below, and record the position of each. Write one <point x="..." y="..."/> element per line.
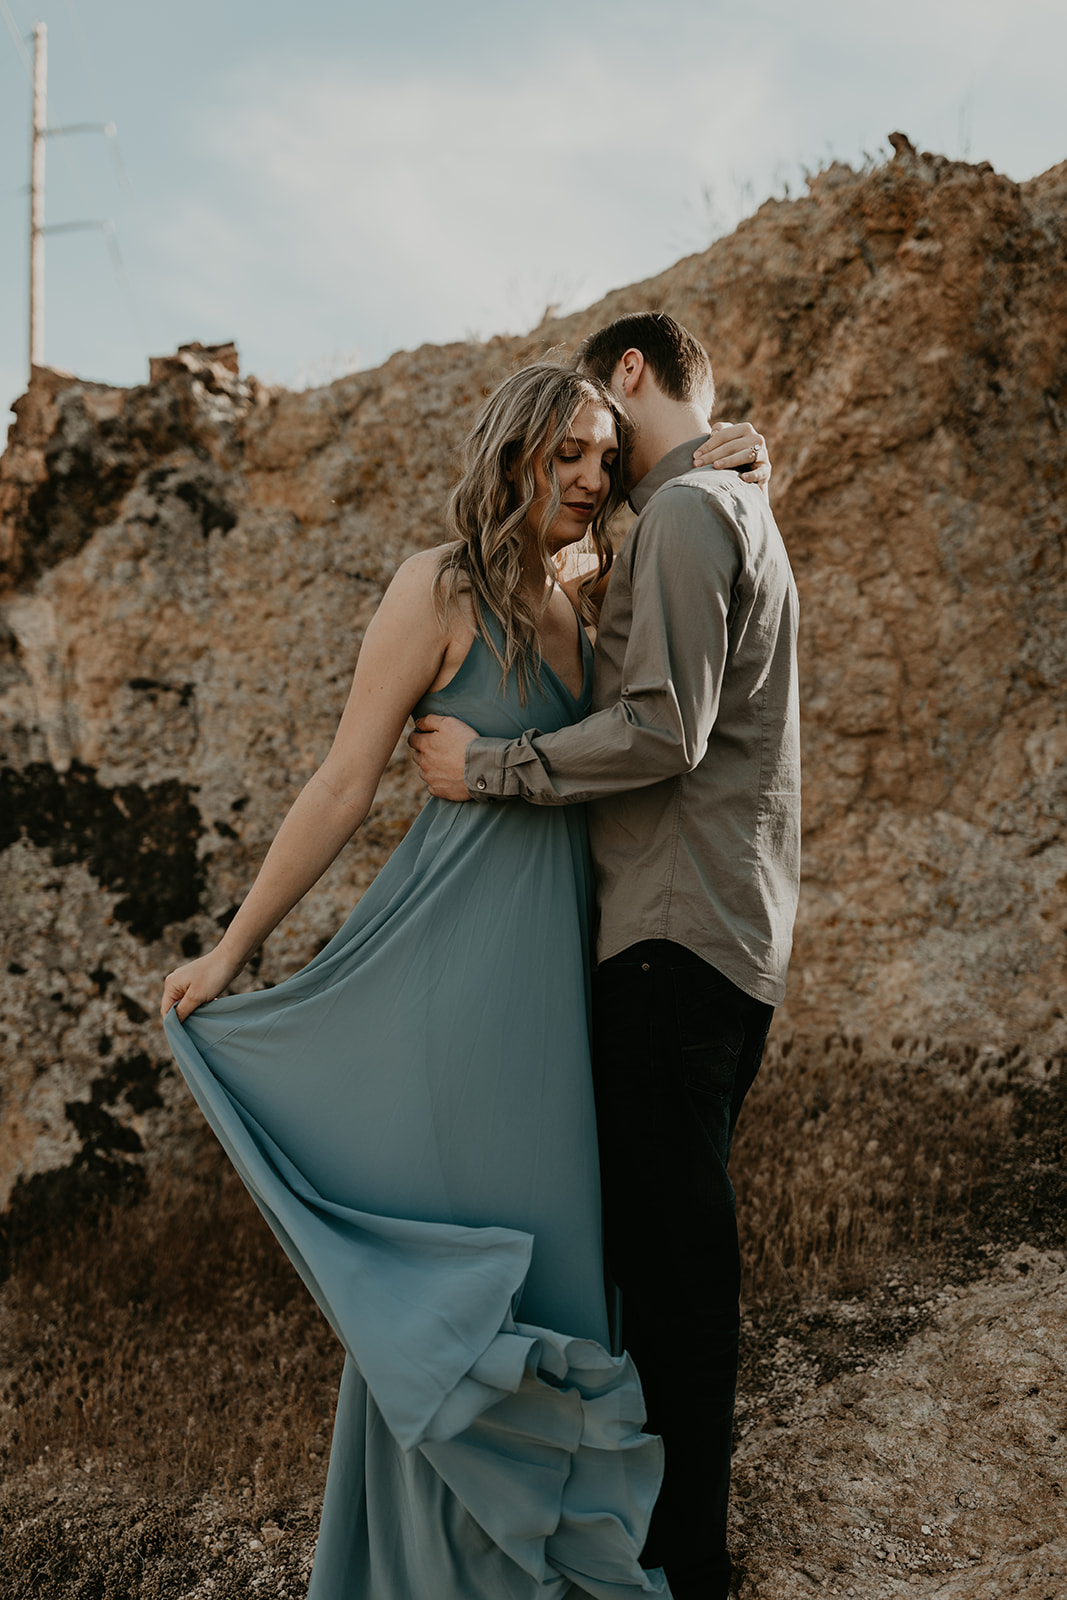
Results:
<point x="198" y="982"/>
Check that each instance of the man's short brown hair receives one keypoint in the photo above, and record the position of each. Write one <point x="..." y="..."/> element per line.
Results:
<point x="678" y="362"/>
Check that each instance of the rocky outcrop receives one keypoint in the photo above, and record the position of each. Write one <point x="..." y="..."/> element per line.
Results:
<point x="188" y="567"/>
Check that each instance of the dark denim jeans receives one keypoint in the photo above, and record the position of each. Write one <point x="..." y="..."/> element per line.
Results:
<point x="676" y="1047"/>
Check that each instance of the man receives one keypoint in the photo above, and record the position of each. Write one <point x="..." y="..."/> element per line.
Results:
<point x="690" y="762"/>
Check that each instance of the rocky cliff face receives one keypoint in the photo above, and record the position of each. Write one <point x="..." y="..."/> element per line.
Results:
<point x="189" y="566"/>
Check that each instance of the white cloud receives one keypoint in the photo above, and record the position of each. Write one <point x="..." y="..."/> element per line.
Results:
<point x="312" y="206"/>
<point x="385" y="213"/>
<point x="362" y="211"/>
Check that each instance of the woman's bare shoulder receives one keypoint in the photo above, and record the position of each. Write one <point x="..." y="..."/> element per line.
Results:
<point x="423" y="566"/>
<point x="414" y="593"/>
<point x="414" y="581"/>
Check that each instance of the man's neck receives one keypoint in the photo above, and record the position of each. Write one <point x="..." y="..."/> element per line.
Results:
<point x="668" y="425"/>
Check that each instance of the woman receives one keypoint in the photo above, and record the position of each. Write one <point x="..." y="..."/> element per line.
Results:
<point x="413" y="1111"/>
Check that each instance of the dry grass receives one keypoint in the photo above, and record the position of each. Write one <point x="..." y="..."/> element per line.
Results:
<point x="171" y="1341"/>
<point x="166" y="1384"/>
<point x="846" y="1164"/>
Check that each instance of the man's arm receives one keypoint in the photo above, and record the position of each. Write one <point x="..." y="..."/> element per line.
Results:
<point x="685" y="562"/>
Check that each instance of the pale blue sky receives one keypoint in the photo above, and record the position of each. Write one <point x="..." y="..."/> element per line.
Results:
<point x="326" y="182"/>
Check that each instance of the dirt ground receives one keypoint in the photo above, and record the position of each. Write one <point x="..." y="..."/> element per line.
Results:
<point x="166" y="1391"/>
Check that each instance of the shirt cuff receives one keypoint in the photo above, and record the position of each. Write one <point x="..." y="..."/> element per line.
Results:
<point x="484" y="772"/>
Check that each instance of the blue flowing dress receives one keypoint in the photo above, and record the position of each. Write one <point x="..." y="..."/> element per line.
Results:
<point x="413" y="1114"/>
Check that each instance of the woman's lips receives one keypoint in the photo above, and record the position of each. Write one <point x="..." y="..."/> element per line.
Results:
<point x="582" y="509"/>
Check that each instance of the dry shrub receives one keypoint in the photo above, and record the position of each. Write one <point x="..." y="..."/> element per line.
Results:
<point x="845" y="1164"/>
<point x="171" y="1342"/>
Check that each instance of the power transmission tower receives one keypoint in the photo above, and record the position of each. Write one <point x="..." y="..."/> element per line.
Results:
<point x="40" y="91"/>
<point x="41" y="132"/>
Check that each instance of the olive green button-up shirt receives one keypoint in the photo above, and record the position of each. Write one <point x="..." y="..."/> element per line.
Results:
<point x="690" y="760"/>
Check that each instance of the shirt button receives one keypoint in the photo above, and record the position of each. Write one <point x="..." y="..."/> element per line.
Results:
<point x="645" y="967"/>
<point x="480" y="784"/>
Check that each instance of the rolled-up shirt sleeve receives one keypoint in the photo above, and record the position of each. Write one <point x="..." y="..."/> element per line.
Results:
<point x="684" y="560"/>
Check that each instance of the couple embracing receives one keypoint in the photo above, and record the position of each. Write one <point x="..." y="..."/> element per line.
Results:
<point x="417" y="1112"/>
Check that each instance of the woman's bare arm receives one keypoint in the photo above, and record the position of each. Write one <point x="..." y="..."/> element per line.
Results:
<point x="400" y="658"/>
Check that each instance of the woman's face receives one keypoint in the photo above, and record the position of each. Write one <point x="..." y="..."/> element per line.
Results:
<point x="582" y="465"/>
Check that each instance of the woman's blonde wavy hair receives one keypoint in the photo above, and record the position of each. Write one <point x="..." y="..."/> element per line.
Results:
<point x="525" y="420"/>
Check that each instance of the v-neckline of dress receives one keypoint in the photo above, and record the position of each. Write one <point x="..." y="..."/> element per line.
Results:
<point x="587" y="659"/>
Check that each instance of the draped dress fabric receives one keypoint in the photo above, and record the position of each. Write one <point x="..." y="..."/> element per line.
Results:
<point x="413" y="1114"/>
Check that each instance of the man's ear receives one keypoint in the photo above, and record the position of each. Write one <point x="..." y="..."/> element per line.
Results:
<point x="629" y="371"/>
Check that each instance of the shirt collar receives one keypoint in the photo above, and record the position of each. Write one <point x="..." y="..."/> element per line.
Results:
<point x="672" y="465"/>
